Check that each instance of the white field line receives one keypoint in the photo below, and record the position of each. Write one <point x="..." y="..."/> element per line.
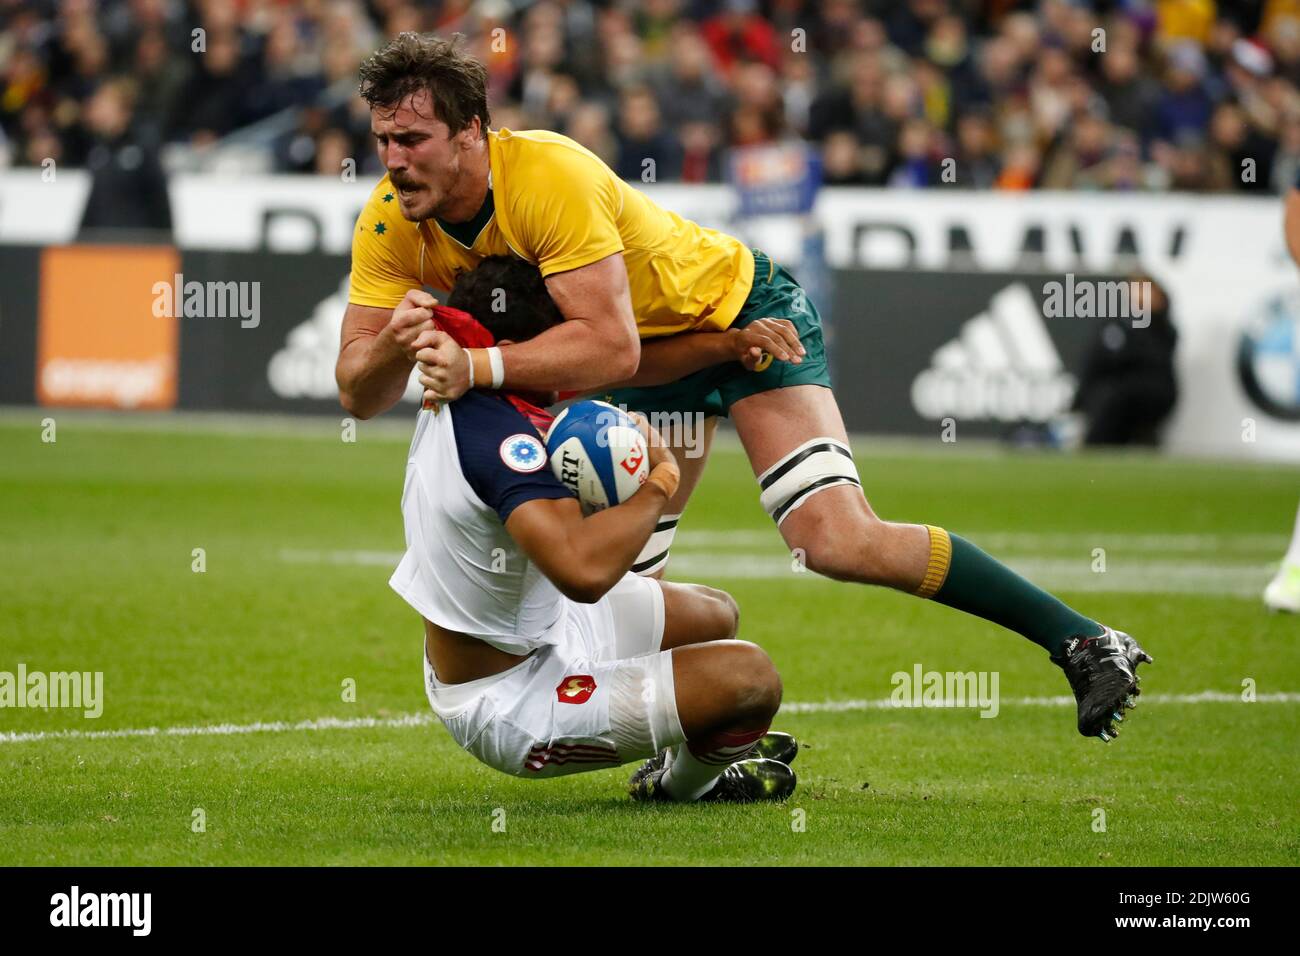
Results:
<point x="425" y="719"/>
<point x="1054" y="574"/>
<point x="222" y="730"/>
<point x="311" y="556"/>
<point x="1123" y="574"/>
<point x="886" y="703"/>
<point x="1031" y="542"/>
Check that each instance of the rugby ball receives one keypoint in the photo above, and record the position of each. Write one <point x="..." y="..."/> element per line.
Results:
<point x="597" y="451"/>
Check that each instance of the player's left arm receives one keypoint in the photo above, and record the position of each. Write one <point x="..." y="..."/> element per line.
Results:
<point x="586" y="557"/>
<point x="504" y="463"/>
<point x="673" y="358"/>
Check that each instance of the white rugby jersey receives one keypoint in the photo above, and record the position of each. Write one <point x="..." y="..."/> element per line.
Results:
<point x="470" y="465"/>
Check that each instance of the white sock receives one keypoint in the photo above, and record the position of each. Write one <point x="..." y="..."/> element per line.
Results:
<point x="1293" y="552"/>
<point x="687" y="779"/>
<point x="690" y="777"/>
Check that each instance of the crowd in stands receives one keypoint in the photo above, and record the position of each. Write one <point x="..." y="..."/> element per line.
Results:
<point x="1049" y="94"/>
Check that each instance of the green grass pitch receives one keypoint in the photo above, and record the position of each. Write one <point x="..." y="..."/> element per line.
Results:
<point x="97" y="538"/>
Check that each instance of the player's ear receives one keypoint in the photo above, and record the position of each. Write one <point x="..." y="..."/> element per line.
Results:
<point x="471" y="134"/>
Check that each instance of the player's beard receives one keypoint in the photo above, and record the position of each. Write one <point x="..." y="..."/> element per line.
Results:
<point x="427" y="198"/>
<point x="417" y="204"/>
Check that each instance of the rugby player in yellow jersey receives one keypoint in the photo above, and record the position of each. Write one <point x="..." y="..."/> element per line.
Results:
<point x="630" y="277"/>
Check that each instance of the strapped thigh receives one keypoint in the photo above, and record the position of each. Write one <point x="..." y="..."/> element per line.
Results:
<point x="817" y="464"/>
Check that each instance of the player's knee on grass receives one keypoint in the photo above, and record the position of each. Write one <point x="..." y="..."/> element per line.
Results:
<point x="755" y="684"/>
<point x="729" y="685"/>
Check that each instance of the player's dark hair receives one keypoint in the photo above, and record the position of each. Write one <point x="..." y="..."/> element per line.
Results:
<point x="457" y="83"/>
<point x="508" y="296"/>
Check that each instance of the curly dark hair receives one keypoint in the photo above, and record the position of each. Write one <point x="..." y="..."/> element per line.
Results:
<point x="508" y="296"/>
<point x="411" y="62"/>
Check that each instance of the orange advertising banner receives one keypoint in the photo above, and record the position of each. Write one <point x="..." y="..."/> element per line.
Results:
<point x="101" y="342"/>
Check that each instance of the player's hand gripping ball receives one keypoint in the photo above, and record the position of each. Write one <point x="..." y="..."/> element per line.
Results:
<point x="597" y="451"/>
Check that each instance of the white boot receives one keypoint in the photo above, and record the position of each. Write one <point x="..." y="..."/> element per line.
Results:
<point x="1283" y="592"/>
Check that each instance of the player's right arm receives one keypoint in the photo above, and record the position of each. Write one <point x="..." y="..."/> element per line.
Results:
<point x="377" y="352"/>
<point x="387" y="308"/>
<point x="585" y="557"/>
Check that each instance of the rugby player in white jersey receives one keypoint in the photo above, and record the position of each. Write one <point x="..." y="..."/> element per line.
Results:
<point x="543" y="654"/>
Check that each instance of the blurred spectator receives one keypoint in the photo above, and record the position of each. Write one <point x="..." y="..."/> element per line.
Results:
<point x="1127" y="388"/>
<point x="589" y="125"/>
<point x="857" y="109"/>
<point x="842" y="161"/>
<point x="1019" y="168"/>
<point x="1015" y="91"/>
<point x="910" y="21"/>
<point x="286" y="77"/>
<point x="1242" y="158"/>
<point x="1185" y="19"/>
<point x="798" y="90"/>
<point x="978" y="166"/>
<point x="741" y="33"/>
<point x="128" y="189"/>
<point x="1286" y="162"/>
<point x="1079" y="162"/>
<point x="216" y="94"/>
<point x="687" y="85"/>
<point x="161" y="78"/>
<point x="333" y="148"/>
<point x="1190" y="168"/>
<point x="1131" y="95"/>
<point x="1185" y="105"/>
<point x="701" y="156"/>
<point x="646" y="151"/>
<point x="916" y="167"/>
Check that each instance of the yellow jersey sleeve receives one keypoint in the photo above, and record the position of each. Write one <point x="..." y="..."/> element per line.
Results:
<point x="385" y="252"/>
<point x="562" y="205"/>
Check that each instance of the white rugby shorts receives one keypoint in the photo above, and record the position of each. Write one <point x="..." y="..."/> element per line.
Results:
<point x="601" y="697"/>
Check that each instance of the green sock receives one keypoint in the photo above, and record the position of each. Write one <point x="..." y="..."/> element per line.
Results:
<point x="980" y="585"/>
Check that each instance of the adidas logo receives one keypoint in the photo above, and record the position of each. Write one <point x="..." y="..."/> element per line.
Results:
<point x="1002" y="367"/>
<point x="304" y="368"/>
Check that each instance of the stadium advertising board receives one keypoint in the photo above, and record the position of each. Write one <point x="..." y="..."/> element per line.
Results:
<point x="103" y="342"/>
<point x="285" y="361"/>
<point x="19" y="290"/>
<point x="1220" y="258"/>
<point x="1233" y="290"/>
<point x="983" y="356"/>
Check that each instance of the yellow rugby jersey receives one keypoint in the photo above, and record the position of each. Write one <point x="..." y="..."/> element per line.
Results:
<point x="558" y="206"/>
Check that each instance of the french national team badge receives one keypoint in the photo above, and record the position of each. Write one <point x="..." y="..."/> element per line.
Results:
<point x="576" y="689"/>
<point x="523" y="453"/>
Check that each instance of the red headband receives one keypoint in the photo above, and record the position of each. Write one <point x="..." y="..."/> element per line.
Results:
<point x="470" y="333"/>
